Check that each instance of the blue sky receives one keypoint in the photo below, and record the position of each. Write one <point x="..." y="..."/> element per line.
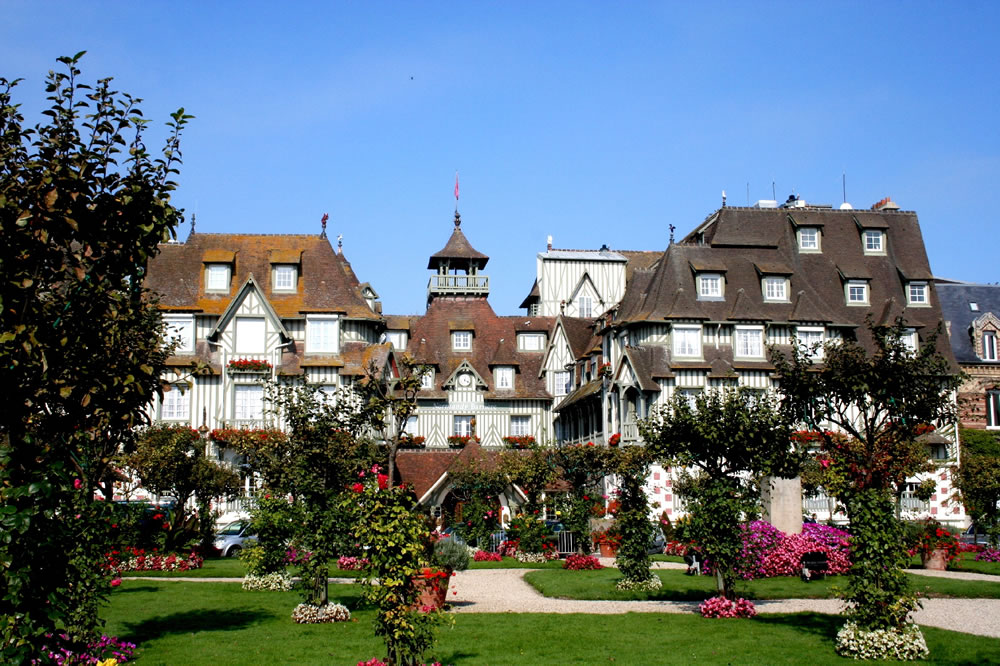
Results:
<point x="594" y="122"/>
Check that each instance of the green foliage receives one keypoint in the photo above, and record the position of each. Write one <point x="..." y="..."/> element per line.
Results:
<point x="274" y="522"/>
<point x="530" y="532"/>
<point x="583" y="468"/>
<point x="451" y="555"/>
<point x="880" y="398"/>
<point x="532" y="470"/>
<point x="478" y="486"/>
<point x="733" y="439"/>
<point x="83" y="206"/>
<point x="978" y="481"/>
<point x="388" y="520"/>
<point x="631" y="464"/>
<point x="979" y="442"/>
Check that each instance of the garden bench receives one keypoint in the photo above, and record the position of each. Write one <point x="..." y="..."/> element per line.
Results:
<point x="693" y="563"/>
<point x="814" y="566"/>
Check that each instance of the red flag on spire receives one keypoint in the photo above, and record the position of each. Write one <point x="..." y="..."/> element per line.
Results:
<point x="456" y="186"/>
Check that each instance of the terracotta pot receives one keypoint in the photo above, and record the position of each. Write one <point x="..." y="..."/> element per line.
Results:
<point x="433" y="590"/>
<point x="937" y="559"/>
<point x="608" y="550"/>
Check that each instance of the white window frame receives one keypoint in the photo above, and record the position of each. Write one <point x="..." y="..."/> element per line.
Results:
<point x="711" y="285"/>
<point x="873" y="241"/>
<point x="774" y="288"/>
<point x="328" y="394"/>
<point x="427" y="380"/>
<point x="917" y="294"/>
<point x="813" y="244"/>
<point x="855" y="284"/>
<point x="396" y="338"/>
<point x="241" y="404"/>
<point x="251" y="335"/>
<point x="322" y="334"/>
<point x="807" y="337"/>
<point x="531" y="342"/>
<point x="585" y="307"/>
<point x="909" y="338"/>
<point x="461" y="425"/>
<point x="993" y="410"/>
<point x="176" y="403"/>
<point x="412" y="423"/>
<point x="560" y="382"/>
<point x="180" y="327"/>
<point x="284" y="277"/>
<point x="218" y="277"/>
<point x="504" y="377"/>
<point x="520" y="425"/>
<point x="690" y="396"/>
<point x="989" y="346"/>
<point x="687" y="345"/>
<point x="748" y="342"/>
<point x="461" y="340"/>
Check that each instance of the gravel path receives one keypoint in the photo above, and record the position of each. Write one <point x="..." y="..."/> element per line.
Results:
<point x="505" y="591"/>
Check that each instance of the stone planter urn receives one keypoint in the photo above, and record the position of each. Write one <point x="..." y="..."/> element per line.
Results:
<point x="608" y="550"/>
<point x="432" y="585"/>
<point x="936" y="560"/>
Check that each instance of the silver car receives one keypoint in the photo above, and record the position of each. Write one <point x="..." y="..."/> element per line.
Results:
<point x="232" y="538"/>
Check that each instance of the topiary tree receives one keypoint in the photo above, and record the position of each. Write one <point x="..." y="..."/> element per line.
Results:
<point x="630" y="464"/>
<point x="732" y="439"/>
<point x="83" y="205"/>
<point x="867" y="403"/>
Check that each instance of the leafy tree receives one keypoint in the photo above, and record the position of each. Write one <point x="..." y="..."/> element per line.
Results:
<point x="478" y="485"/>
<point x="732" y="439"/>
<point x="583" y="468"/>
<point x="867" y="406"/>
<point x="531" y="470"/>
<point x="977" y="480"/>
<point x="83" y="205"/>
<point x="170" y="460"/>
<point x="631" y="465"/>
<point x="395" y="398"/>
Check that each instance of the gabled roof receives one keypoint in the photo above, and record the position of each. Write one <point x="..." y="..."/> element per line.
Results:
<point x="248" y="287"/>
<point x="326" y="283"/>
<point x="956" y="306"/>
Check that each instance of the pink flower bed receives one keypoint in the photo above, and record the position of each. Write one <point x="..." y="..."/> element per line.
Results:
<point x="347" y="563"/>
<point x="487" y="556"/>
<point x="581" y="562"/>
<point x="720" y="607"/>
<point x="988" y="555"/>
<point x="769" y="552"/>
<point x="135" y="559"/>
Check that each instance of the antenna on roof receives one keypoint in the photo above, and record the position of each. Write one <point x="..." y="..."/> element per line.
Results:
<point x="340" y="243"/>
<point x="193" y="216"/>
<point x="843" y="181"/>
<point x="773" y="194"/>
<point x="323" y="220"/>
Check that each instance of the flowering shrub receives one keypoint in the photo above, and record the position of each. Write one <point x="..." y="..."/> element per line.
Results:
<point x="459" y="441"/>
<point x="349" y="563"/>
<point x="988" y="555"/>
<point x="546" y="555"/>
<point x="277" y="581"/>
<point x="718" y="607"/>
<point x="507" y="548"/>
<point x="486" y="556"/>
<point x="103" y="650"/>
<point x="136" y="559"/>
<point x="581" y="562"/>
<point x="676" y="548"/>
<point x="519" y="442"/>
<point x="651" y="584"/>
<point x="971" y="547"/>
<point x="607" y="537"/>
<point x="615" y="439"/>
<point x="934" y="537"/>
<point x="309" y="614"/>
<point x="296" y="557"/>
<point x="905" y="643"/>
<point x="759" y="538"/>
<point x="248" y="365"/>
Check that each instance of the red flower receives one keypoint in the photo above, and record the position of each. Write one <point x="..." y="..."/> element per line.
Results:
<point x="383" y="481"/>
<point x="116" y="582"/>
<point x="77" y="483"/>
<point x="357" y="487"/>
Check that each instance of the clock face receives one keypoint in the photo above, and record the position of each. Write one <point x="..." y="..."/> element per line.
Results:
<point x="464" y="379"/>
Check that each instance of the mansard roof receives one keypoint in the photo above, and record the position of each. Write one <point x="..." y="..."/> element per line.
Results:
<point x="458" y="247"/>
<point x="956" y="308"/>
<point x="326" y="282"/>
<point x="494" y="342"/>
<point x="745" y="241"/>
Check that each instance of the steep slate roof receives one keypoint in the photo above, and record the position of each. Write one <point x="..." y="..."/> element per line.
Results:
<point x="745" y="239"/>
<point x="494" y="342"/>
<point x="457" y="247"/>
<point x="580" y="335"/>
<point x="326" y="282"/>
<point x="423" y="468"/>
<point x="955" y="300"/>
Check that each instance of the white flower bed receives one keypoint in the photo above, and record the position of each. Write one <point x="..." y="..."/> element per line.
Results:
<point x="273" y="581"/>
<point x="906" y="644"/>
<point x="309" y="614"/>
<point x="521" y="556"/>
<point x="649" y="585"/>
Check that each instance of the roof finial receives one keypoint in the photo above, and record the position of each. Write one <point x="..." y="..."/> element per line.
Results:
<point x="458" y="219"/>
<point x="723" y="198"/>
<point x="672" y="227"/>
<point x="340" y="243"/>
<point x="193" y="216"/>
<point x="323" y="221"/>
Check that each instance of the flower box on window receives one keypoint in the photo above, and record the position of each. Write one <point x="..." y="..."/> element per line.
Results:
<point x="459" y="441"/>
<point x="407" y="442"/>
<point x="248" y="365"/>
<point x="519" y="441"/>
<point x="226" y="436"/>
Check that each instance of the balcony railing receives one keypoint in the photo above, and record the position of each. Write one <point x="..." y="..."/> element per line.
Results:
<point x="458" y="284"/>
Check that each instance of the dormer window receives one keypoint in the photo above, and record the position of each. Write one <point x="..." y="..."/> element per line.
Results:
<point x="427" y="380"/>
<point x="856" y="292"/>
<point x="217" y="277"/>
<point x="710" y="285"/>
<point x="284" y="277"/>
<point x="585" y="307"/>
<point x="504" y="376"/>
<point x="461" y="340"/>
<point x="809" y="239"/>
<point x="810" y="340"/>
<point x="909" y="339"/>
<point x="531" y="341"/>
<point x="874" y="241"/>
<point x="916" y="293"/>
<point x="775" y="289"/>
<point x="989" y="346"/>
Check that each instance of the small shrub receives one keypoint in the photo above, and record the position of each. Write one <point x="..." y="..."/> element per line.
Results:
<point x="450" y="554"/>
<point x="309" y="614"/>
<point x="581" y="562"/>
<point x="905" y="643"/>
<point x="720" y="607"/>
<point x="350" y="563"/>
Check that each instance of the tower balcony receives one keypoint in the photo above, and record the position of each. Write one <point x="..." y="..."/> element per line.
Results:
<point x="457" y="285"/>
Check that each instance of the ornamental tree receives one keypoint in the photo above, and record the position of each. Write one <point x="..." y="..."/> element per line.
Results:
<point x="583" y="468"/>
<point x="83" y="205"/>
<point x="630" y="464"/>
<point x="977" y="480"/>
<point x="732" y="439"/>
<point x="867" y="404"/>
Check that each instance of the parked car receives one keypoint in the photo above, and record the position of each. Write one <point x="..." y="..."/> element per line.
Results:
<point x="232" y="538"/>
<point x="974" y="534"/>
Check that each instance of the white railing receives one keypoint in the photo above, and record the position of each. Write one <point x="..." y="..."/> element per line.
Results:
<point x="458" y="284"/>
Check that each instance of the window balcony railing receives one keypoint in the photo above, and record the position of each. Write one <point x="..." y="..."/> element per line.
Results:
<point x="458" y="284"/>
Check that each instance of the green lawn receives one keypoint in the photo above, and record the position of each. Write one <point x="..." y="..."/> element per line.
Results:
<point x="224" y="567"/>
<point x="679" y="587"/>
<point x="220" y="624"/>
<point x="511" y="563"/>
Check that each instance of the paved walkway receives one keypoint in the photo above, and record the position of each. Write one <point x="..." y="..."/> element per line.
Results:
<point x="505" y="591"/>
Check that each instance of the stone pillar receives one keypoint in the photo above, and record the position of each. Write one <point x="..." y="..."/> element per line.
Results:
<point x="782" y="499"/>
